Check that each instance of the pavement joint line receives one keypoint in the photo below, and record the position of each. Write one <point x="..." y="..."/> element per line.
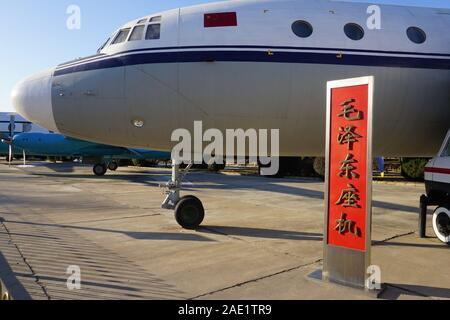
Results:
<point x="257" y="279"/>
<point x="377" y="243"/>
<point x="33" y="273"/>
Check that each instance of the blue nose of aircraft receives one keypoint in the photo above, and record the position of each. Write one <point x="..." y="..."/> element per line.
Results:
<point x="20" y="141"/>
<point x="32" y="99"/>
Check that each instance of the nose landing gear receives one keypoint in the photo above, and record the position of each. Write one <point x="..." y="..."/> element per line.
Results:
<point x="189" y="210"/>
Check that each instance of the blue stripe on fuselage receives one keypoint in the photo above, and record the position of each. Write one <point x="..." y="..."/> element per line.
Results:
<point x="149" y="57"/>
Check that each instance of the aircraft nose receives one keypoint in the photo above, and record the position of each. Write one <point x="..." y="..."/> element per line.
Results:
<point x="32" y="99"/>
<point x="20" y="141"/>
<point x="17" y="140"/>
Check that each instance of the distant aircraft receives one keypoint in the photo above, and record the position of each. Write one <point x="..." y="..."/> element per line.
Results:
<point x="57" y="145"/>
<point x="11" y="124"/>
<point x="252" y="64"/>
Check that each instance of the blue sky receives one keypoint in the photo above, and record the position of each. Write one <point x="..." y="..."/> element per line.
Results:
<point x="35" y="37"/>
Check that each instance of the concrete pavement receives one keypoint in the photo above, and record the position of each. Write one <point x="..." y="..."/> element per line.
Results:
<point x="260" y="239"/>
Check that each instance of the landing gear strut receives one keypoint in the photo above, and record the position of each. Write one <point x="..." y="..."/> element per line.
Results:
<point x="189" y="210"/>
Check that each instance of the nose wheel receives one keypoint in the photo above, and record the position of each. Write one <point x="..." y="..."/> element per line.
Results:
<point x="189" y="210"/>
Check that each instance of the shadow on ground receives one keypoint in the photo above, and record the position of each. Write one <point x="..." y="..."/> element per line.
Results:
<point x="395" y="291"/>
<point x="104" y="274"/>
<point x="261" y="233"/>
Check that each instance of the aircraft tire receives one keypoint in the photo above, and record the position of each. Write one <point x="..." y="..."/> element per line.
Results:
<point x="113" y="166"/>
<point x="189" y="212"/>
<point x="100" y="169"/>
<point x="441" y="224"/>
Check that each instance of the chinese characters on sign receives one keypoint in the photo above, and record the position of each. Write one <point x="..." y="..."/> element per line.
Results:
<point x="343" y="226"/>
<point x="349" y="197"/>
<point x="347" y="204"/>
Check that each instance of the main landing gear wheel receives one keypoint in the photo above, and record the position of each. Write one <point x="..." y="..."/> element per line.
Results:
<point x="441" y="224"/>
<point x="113" y="166"/>
<point x="189" y="212"/>
<point x="100" y="169"/>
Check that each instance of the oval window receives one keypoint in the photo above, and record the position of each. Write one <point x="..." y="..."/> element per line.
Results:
<point x="354" y="31"/>
<point x="416" y="35"/>
<point x="302" y="29"/>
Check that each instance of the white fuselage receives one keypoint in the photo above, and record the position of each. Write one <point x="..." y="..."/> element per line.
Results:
<point x="257" y="74"/>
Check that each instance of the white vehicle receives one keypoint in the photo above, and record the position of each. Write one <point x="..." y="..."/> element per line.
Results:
<point x="437" y="180"/>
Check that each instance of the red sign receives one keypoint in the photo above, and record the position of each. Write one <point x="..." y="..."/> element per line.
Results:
<point x="348" y="167"/>
<point x="225" y="19"/>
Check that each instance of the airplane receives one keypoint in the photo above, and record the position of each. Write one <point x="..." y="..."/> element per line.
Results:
<point x="8" y="127"/>
<point x="11" y="124"/>
<point x="58" y="145"/>
<point x="258" y="64"/>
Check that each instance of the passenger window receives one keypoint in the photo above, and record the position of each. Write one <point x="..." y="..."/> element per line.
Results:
<point x="153" y="32"/>
<point x="302" y="29"/>
<point x="354" y="31"/>
<point x="122" y="36"/>
<point x="155" y="19"/>
<point x="416" y="35"/>
<point x="137" y="34"/>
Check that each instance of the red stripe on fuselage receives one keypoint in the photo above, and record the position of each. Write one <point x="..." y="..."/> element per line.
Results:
<point x="437" y="170"/>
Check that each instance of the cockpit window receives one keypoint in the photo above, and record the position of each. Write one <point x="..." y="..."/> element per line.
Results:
<point x="103" y="45"/>
<point x="153" y="32"/>
<point x="142" y="21"/>
<point x="155" y="19"/>
<point x="121" y="36"/>
<point x="138" y="33"/>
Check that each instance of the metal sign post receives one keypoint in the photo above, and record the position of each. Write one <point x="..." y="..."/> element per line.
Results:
<point x="348" y="193"/>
